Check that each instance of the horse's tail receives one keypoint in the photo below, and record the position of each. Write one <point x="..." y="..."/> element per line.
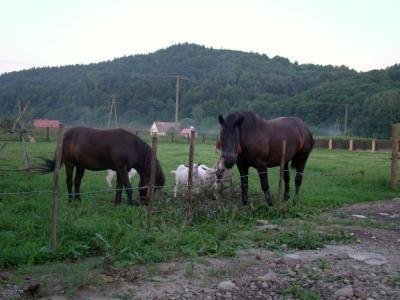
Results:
<point x="47" y="165"/>
<point x="299" y="160"/>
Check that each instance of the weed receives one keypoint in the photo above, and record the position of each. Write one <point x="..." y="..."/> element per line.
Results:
<point x="218" y="273"/>
<point x="396" y="280"/>
<point x="299" y="293"/>
<point x="323" y="264"/>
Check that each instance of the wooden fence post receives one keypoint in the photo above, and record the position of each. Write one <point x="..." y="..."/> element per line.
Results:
<point x="330" y="144"/>
<point x="189" y="214"/>
<point x="204" y="138"/>
<point x="281" y="173"/>
<point x="22" y="135"/>
<point x="47" y="134"/>
<point x="151" y="187"/>
<point x="172" y="138"/>
<point x="373" y="145"/>
<point x="350" y="145"/>
<point x="54" y="201"/>
<point x="395" y="156"/>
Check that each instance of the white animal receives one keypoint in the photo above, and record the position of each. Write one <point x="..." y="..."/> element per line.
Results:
<point x="207" y="175"/>
<point x="202" y="176"/>
<point x="111" y="174"/>
<point x="223" y="174"/>
<point x="31" y="139"/>
<point x="182" y="175"/>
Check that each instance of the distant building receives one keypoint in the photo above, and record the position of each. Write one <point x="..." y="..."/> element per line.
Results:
<point x="164" y="128"/>
<point x="185" y="132"/>
<point x="44" y="123"/>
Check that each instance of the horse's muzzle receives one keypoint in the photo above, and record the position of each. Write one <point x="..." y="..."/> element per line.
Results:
<point x="229" y="162"/>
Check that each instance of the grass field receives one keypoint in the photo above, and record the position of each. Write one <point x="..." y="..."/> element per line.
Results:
<point x="95" y="227"/>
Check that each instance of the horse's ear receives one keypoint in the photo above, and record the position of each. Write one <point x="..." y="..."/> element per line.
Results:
<point x="239" y="121"/>
<point x="221" y="120"/>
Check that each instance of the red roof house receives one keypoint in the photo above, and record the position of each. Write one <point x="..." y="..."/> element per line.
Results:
<point x="44" y="123"/>
<point x="185" y="132"/>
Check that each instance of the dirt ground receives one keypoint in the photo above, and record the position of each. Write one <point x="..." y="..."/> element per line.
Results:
<point x="367" y="269"/>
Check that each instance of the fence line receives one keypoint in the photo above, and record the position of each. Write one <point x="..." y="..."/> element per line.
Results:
<point x="112" y="190"/>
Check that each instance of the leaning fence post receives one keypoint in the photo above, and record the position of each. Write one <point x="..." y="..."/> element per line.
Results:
<point x="189" y="217"/>
<point x="281" y="173"/>
<point x="47" y="134"/>
<point x="330" y="144"/>
<point x="54" y="200"/>
<point x="395" y="156"/>
<point x="151" y="187"/>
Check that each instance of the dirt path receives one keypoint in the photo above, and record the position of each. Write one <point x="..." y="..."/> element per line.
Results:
<point x="369" y="268"/>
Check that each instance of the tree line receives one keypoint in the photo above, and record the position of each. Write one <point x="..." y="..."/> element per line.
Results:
<point x="215" y="81"/>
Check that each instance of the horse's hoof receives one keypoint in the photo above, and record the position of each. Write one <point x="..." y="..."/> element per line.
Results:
<point x="133" y="203"/>
<point x="286" y="197"/>
<point x="269" y="201"/>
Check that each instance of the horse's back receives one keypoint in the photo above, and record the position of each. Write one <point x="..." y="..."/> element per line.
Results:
<point x="265" y="138"/>
<point x="98" y="149"/>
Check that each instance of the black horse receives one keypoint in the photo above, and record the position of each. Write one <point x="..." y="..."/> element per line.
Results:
<point x="251" y="141"/>
<point x="115" y="149"/>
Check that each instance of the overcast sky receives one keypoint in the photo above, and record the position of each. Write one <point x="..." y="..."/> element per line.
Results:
<point x="363" y="35"/>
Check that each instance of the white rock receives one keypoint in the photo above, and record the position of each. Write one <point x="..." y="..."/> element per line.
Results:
<point x="373" y="259"/>
<point x="345" y="292"/>
<point x="226" y="286"/>
<point x="267" y="227"/>
<point x="270" y="276"/>
<point x="263" y="222"/>
<point x="359" y="216"/>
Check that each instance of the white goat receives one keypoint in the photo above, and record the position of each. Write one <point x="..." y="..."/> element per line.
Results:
<point x="223" y="174"/>
<point x="202" y="176"/>
<point x="182" y="175"/>
<point x="111" y="173"/>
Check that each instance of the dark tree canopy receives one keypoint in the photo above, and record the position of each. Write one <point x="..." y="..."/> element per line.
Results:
<point x="216" y="81"/>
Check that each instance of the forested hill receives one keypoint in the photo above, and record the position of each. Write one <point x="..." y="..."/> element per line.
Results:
<point x="215" y="81"/>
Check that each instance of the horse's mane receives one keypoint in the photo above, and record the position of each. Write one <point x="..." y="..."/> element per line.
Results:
<point x="249" y="118"/>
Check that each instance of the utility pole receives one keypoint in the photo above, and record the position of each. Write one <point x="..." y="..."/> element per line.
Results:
<point x="345" y="119"/>
<point x="177" y="103"/>
<point x="113" y="107"/>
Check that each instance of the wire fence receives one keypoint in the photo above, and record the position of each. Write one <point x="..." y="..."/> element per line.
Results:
<point x="216" y="181"/>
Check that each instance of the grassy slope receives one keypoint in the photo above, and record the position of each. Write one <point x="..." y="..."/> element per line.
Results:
<point x="96" y="227"/>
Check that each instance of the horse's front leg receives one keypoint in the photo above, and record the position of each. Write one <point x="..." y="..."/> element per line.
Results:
<point x="127" y="184"/>
<point x="118" y="191"/>
<point x="263" y="174"/>
<point x="244" y="182"/>
<point x="143" y="190"/>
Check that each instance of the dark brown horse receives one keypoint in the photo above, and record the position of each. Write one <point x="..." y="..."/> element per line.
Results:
<point x="251" y="141"/>
<point x="115" y="149"/>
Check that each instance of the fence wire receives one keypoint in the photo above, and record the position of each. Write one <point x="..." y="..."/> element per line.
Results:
<point x="222" y="180"/>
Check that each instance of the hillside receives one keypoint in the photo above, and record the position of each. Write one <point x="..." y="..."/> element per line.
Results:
<point x="216" y="81"/>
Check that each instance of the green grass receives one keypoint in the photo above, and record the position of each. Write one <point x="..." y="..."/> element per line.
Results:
<point x="299" y="293"/>
<point x="95" y="227"/>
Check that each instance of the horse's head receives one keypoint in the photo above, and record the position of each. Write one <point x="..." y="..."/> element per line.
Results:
<point x="159" y="182"/>
<point x="160" y="178"/>
<point x="230" y="139"/>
